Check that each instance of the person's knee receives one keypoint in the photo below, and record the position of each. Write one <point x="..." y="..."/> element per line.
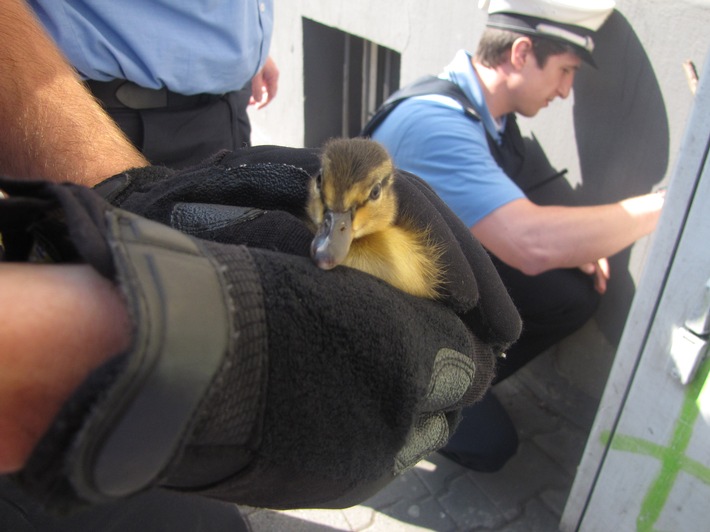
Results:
<point x="568" y="302"/>
<point x="484" y="461"/>
<point x="582" y="300"/>
<point x="485" y="439"/>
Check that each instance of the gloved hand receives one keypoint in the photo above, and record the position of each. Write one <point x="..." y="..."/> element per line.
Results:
<point x="472" y="287"/>
<point x="248" y="197"/>
<point x="254" y="376"/>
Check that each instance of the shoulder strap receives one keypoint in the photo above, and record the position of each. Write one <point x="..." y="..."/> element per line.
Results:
<point x="420" y="87"/>
<point x="509" y="154"/>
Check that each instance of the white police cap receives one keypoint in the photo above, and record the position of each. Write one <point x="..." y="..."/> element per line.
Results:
<point x="571" y="21"/>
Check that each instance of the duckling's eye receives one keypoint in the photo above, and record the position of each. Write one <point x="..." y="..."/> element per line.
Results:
<point x="376" y="191"/>
<point x="319" y="179"/>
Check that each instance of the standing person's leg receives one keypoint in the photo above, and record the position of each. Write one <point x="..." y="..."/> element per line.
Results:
<point x="241" y="125"/>
<point x="184" y="130"/>
<point x="183" y="136"/>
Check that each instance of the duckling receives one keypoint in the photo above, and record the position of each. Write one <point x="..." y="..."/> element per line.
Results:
<point x="353" y="205"/>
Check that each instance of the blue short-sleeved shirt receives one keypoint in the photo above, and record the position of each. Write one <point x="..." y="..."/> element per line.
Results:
<point x="431" y="137"/>
<point x="188" y="46"/>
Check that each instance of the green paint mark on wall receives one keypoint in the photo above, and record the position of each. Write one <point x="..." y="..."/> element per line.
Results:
<point x="672" y="457"/>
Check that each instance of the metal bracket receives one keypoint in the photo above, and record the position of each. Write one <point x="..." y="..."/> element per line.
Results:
<point x="689" y="344"/>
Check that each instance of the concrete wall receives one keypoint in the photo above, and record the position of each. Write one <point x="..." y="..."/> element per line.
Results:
<point x="618" y="134"/>
<point x="425" y="32"/>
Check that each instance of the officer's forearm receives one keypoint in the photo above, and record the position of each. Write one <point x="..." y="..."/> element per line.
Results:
<point x="52" y="128"/>
<point x="535" y="239"/>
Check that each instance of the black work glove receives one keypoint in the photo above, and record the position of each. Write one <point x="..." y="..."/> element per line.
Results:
<point x="254" y="376"/>
<point x="251" y="197"/>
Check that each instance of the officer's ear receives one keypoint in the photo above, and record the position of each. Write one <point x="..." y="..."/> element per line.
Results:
<point x="521" y="51"/>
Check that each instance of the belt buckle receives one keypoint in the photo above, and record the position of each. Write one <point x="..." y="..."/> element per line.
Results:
<point x="136" y="97"/>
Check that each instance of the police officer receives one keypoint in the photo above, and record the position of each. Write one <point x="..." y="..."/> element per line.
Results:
<point x="465" y="143"/>
<point x="177" y="76"/>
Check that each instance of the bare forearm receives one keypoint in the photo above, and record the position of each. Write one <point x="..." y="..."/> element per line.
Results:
<point x="52" y="127"/>
<point x="57" y="323"/>
<point x="535" y="239"/>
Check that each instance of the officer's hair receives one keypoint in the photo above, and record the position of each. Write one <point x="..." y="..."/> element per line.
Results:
<point x="495" y="44"/>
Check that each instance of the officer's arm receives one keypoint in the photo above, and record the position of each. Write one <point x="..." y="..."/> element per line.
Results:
<point x="535" y="238"/>
<point x="51" y="126"/>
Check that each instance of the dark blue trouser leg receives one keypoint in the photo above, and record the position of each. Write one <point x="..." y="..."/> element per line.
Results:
<point x="552" y="305"/>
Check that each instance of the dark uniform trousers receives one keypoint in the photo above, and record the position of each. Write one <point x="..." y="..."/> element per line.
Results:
<point x="176" y="130"/>
<point x="552" y="306"/>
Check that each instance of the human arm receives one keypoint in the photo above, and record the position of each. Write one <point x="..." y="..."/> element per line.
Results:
<point x="57" y="324"/>
<point x="456" y="160"/>
<point x="52" y="128"/>
<point x="265" y="84"/>
<point x="535" y="238"/>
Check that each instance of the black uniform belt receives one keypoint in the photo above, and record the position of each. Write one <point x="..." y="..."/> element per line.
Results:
<point x="120" y="93"/>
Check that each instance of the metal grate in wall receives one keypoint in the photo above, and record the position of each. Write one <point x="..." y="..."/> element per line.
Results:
<point x="345" y="79"/>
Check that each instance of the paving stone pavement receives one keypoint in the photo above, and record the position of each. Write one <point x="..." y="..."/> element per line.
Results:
<point x="553" y="418"/>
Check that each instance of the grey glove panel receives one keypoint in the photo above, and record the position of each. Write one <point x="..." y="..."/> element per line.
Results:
<point x="452" y="379"/>
<point x="177" y="303"/>
<point x="429" y="433"/>
<point x="232" y="410"/>
<point x="452" y="376"/>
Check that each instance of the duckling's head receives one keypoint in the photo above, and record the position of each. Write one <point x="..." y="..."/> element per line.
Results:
<point x="351" y="197"/>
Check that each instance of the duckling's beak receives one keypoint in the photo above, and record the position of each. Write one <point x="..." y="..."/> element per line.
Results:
<point x="331" y="244"/>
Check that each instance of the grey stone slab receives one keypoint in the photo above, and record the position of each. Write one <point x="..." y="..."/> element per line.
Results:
<point x="529" y="413"/>
<point x="437" y="472"/>
<point x="536" y="517"/>
<point x="427" y="514"/>
<point x="528" y="473"/>
<point x="297" y="521"/>
<point x="556" y="393"/>
<point x="406" y="486"/>
<point x="385" y="523"/>
<point x="555" y="499"/>
<point x="565" y="445"/>
<point x="585" y="359"/>
<point x="360" y="517"/>
<point x="470" y="507"/>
